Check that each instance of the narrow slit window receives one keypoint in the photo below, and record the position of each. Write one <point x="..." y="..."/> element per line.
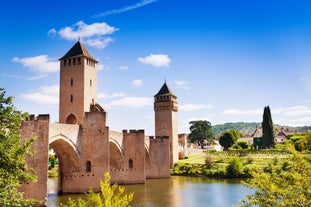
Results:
<point x="71" y="98"/>
<point x="88" y="167"/>
<point x="130" y="163"/>
<point x="71" y="82"/>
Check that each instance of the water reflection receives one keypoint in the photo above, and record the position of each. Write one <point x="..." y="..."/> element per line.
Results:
<point x="178" y="191"/>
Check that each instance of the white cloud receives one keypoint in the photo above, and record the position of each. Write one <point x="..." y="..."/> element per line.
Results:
<point x="193" y="107"/>
<point x="131" y="102"/>
<point x="292" y="111"/>
<point x="124" y="9"/>
<point x="182" y="84"/>
<point x="94" y="35"/>
<point x="47" y="95"/>
<point x="99" y="43"/>
<point x="243" y="112"/>
<point x="137" y="82"/>
<point x="40" y="64"/>
<point x="123" y="67"/>
<point x="100" y="66"/>
<point x="156" y="60"/>
<point x="37" y="77"/>
<point x="52" y="33"/>
<point x="108" y="96"/>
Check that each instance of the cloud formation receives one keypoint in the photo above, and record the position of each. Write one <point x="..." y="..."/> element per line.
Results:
<point x="131" y="102"/>
<point x="39" y="64"/>
<point x="137" y="83"/>
<point x="123" y="67"/>
<point x="94" y="35"/>
<point x="125" y="9"/>
<point x="156" y="60"/>
<point x="47" y="95"/>
<point x="108" y="96"/>
<point x="243" y="112"/>
<point x="194" y="107"/>
<point x="182" y="84"/>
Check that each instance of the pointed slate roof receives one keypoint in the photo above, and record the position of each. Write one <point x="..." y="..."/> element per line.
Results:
<point x="78" y="50"/>
<point x="165" y="90"/>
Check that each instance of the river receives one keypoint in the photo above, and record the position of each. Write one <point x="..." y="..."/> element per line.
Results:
<point x="178" y="191"/>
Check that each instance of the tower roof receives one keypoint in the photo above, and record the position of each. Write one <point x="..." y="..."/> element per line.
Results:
<point x="78" y="50"/>
<point x="165" y="90"/>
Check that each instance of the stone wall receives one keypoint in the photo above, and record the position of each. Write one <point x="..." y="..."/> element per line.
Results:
<point x="133" y="165"/>
<point x="94" y="157"/>
<point x="159" y="161"/>
<point x="37" y="127"/>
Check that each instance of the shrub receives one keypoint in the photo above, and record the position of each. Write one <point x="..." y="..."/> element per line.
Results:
<point x="209" y="161"/>
<point x="111" y="195"/>
<point x="243" y="144"/>
<point x="234" y="169"/>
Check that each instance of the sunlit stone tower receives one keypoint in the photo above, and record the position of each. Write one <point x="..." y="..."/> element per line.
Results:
<point x="78" y="84"/>
<point x="166" y="107"/>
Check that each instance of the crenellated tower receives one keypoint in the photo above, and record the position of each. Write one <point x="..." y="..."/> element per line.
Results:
<point x="78" y="84"/>
<point x="166" y="121"/>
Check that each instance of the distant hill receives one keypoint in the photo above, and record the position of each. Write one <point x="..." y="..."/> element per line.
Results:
<point x="247" y="128"/>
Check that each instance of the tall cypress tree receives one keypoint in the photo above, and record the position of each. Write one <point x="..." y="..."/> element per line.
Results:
<point x="267" y="129"/>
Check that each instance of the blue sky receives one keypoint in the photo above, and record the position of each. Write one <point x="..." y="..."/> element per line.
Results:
<point x="225" y="60"/>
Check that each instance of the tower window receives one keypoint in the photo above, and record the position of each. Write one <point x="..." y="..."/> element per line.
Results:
<point x="71" y="82"/>
<point x="130" y="163"/>
<point x="69" y="62"/>
<point x="88" y="166"/>
<point x="71" y="98"/>
<point x="79" y="61"/>
<point x="65" y="62"/>
<point x="74" y="61"/>
<point x="90" y="82"/>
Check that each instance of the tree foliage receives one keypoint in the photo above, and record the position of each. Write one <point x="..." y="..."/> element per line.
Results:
<point x="110" y="196"/>
<point x="201" y="130"/>
<point x="283" y="185"/>
<point x="267" y="129"/>
<point x="228" y="138"/>
<point x="13" y="167"/>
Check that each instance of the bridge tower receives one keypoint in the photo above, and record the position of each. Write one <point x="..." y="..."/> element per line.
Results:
<point x="78" y="84"/>
<point x="166" y="122"/>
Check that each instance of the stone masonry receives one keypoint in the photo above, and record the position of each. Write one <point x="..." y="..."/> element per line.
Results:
<point x="85" y="146"/>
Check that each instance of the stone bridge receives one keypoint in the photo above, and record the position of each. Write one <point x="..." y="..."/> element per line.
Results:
<point x="85" y="152"/>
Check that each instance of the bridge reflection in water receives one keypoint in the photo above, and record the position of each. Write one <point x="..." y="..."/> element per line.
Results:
<point x="178" y="191"/>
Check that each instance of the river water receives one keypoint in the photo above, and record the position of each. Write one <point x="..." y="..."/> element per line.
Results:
<point x="177" y="191"/>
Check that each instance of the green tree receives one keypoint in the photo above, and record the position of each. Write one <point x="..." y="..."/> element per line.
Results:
<point x="283" y="185"/>
<point x="201" y="130"/>
<point x="13" y="167"/>
<point x="110" y="196"/>
<point x="243" y="144"/>
<point x="267" y="129"/>
<point x="228" y="138"/>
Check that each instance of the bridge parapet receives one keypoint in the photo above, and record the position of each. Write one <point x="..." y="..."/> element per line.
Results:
<point x="71" y="131"/>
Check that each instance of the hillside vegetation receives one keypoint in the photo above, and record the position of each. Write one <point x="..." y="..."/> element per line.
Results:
<point x="247" y="128"/>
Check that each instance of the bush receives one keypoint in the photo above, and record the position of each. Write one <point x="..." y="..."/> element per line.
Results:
<point x="234" y="169"/>
<point x="111" y="195"/>
<point x="235" y="147"/>
<point x="209" y="161"/>
<point x="243" y="144"/>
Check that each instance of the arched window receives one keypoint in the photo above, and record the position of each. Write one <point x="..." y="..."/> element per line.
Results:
<point x="71" y="98"/>
<point x="130" y="163"/>
<point x="90" y="82"/>
<point x="88" y="166"/>
<point x="71" y="119"/>
<point x="71" y="81"/>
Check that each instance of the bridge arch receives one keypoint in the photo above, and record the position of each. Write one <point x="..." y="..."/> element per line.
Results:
<point x="68" y="156"/>
<point x="116" y="154"/>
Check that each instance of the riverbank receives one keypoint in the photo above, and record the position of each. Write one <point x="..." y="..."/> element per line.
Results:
<point x="231" y="164"/>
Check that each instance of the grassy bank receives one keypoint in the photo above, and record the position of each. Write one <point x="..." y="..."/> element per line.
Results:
<point x="232" y="164"/>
